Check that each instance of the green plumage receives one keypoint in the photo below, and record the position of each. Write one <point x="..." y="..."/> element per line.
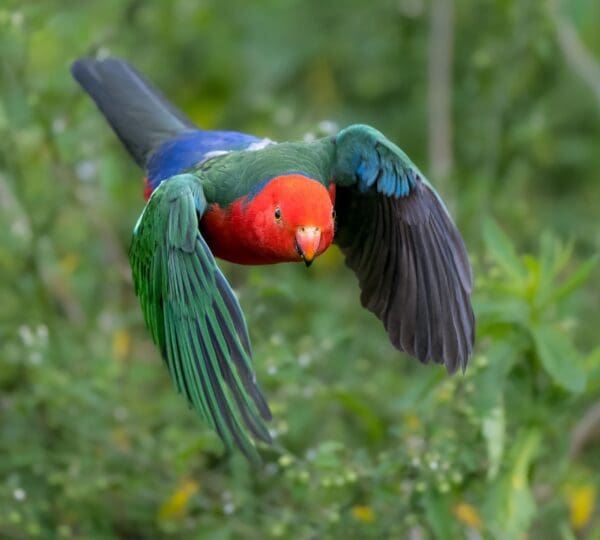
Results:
<point x="228" y="177"/>
<point x="194" y="317"/>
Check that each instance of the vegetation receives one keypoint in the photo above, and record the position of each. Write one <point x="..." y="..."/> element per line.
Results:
<point x="95" y="443"/>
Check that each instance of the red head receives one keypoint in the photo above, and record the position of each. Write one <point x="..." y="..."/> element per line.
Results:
<point x="292" y="218"/>
<point x="289" y="219"/>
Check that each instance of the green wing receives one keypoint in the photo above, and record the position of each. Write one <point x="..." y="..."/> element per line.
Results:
<point x="408" y="255"/>
<point x="194" y="317"/>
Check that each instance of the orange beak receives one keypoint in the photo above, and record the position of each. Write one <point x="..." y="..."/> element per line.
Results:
<point x="307" y="243"/>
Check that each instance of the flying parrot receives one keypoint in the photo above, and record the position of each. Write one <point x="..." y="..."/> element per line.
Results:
<point x="249" y="200"/>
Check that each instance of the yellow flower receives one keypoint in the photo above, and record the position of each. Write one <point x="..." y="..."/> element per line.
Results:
<point x="445" y="391"/>
<point x="468" y="515"/>
<point x="69" y="263"/>
<point x="120" y="438"/>
<point x="120" y="344"/>
<point x="176" y="505"/>
<point x="581" y="500"/>
<point x="363" y="513"/>
<point x="412" y="421"/>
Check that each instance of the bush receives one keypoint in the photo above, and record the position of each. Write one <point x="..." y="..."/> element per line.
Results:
<point x="369" y="444"/>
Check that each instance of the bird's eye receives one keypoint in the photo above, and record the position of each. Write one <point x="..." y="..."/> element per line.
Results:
<point x="277" y="214"/>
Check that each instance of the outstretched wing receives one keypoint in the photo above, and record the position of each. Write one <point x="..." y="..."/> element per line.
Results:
<point x="194" y="317"/>
<point x="408" y="255"/>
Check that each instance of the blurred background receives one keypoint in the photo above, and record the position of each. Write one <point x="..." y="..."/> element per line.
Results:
<point x="497" y="101"/>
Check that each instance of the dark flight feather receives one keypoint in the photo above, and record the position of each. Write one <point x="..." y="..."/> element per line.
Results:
<point x="410" y="260"/>
<point x="137" y="111"/>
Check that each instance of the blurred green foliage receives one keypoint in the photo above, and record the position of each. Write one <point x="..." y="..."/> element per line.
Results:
<point x="94" y="441"/>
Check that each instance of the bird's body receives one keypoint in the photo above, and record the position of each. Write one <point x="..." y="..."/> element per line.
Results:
<point x="252" y="201"/>
<point x="236" y="202"/>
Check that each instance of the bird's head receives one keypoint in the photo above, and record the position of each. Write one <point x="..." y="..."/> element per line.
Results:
<point x="293" y="217"/>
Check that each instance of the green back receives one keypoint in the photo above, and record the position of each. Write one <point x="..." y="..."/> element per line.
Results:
<point x="231" y="176"/>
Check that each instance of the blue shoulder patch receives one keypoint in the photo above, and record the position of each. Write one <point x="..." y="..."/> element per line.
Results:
<point x="190" y="148"/>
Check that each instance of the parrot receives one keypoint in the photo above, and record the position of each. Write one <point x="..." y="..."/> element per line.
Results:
<point x="253" y="201"/>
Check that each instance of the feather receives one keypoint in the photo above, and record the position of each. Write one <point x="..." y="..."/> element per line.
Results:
<point x="194" y="316"/>
<point x="399" y="239"/>
<point x="137" y="111"/>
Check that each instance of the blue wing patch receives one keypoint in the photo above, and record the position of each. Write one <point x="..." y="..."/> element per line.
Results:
<point x="368" y="160"/>
<point x="191" y="148"/>
<point x="390" y="177"/>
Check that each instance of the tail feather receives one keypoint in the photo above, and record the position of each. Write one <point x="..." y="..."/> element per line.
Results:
<point x="139" y="114"/>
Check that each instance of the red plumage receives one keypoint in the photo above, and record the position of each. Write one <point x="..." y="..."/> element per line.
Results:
<point x="232" y="232"/>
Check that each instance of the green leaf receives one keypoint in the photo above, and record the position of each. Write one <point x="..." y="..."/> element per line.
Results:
<point x="439" y="516"/>
<point x="502" y="250"/>
<point x="573" y="281"/>
<point x="501" y="310"/>
<point x="559" y="358"/>
<point x="592" y="361"/>
<point x="491" y="372"/>
<point x="363" y="413"/>
<point x="553" y="255"/>
<point x="493" y="429"/>
<point x="512" y="506"/>
<point x="592" y="369"/>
